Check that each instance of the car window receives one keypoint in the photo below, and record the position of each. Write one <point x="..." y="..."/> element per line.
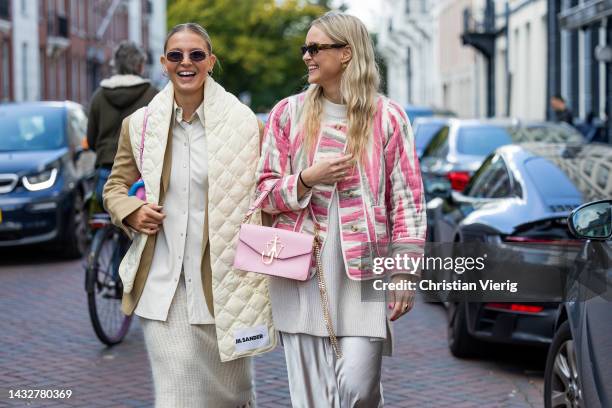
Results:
<point x="492" y="180"/>
<point x="24" y="128"/>
<point x="481" y="140"/>
<point x="77" y="126"/>
<point x="549" y="178"/>
<point x="438" y="147"/>
<point x="424" y="132"/>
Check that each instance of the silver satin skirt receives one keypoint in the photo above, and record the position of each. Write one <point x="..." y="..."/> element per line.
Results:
<point x="317" y="379"/>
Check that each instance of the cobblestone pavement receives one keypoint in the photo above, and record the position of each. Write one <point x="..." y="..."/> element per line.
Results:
<point x="46" y="342"/>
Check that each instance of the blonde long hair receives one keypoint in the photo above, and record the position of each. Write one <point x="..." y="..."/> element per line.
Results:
<point x="358" y="86"/>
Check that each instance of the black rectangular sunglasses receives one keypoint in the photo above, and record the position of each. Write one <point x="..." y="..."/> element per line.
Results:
<point x="313" y="49"/>
<point x="178" y="56"/>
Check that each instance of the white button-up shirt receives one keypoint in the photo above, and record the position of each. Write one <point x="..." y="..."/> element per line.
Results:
<point x="178" y="248"/>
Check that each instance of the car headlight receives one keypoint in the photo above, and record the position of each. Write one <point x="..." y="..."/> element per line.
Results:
<point x="40" y="181"/>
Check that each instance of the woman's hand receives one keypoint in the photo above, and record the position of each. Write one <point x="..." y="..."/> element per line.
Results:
<point x="402" y="301"/>
<point x="147" y="219"/>
<point x="327" y="171"/>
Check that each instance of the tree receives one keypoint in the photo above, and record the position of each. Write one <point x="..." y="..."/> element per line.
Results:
<point x="256" y="42"/>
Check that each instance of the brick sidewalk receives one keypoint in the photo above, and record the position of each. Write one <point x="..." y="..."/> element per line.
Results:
<point x="46" y="341"/>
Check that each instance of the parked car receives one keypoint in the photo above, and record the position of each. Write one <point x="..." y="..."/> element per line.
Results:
<point x="460" y="146"/>
<point x="579" y="363"/>
<point x="517" y="203"/>
<point x="44" y="175"/>
<point x="424" y="129"/>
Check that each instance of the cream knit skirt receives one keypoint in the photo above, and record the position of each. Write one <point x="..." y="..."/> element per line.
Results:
<point x="187" y="370"/>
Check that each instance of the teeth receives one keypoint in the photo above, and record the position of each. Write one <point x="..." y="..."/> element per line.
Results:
<point x="186" y="73"/>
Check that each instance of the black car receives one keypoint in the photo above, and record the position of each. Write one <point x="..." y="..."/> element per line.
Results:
<point x="45" y="173"/>
<point x="517" y="204"/>
<point x="461" y="145"/>
<point x="579" y="363"/>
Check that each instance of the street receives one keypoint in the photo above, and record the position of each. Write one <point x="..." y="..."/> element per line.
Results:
<point x="46" y="342"/>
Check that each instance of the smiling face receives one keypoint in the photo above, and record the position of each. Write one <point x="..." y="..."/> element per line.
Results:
<point x="188" y="76"/>
<point x="325" y="67"/>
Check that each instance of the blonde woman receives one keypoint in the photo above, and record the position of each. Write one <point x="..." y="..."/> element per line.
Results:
<point x="196" y="147"/>
<point x="349" y="153"/>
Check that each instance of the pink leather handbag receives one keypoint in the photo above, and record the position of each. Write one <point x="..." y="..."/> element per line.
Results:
<point x="284" y="254"/>
<point x="273" y="251"/>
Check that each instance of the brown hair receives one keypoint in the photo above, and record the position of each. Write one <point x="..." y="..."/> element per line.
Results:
<point x="194" y="28"/>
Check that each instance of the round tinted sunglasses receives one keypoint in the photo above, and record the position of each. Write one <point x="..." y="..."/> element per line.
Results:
<point x="178" y="56"/>
<point x="314" y="48"/>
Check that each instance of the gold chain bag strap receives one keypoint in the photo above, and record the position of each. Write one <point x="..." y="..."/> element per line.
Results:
<point x="318" y="243"/>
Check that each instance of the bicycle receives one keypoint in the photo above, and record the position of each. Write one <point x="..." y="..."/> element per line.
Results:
<point x="102" y="282"/>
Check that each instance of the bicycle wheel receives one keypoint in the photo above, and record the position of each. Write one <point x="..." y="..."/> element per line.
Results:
<point x="104" y="288"/>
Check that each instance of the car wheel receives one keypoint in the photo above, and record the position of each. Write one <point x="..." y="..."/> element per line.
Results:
<point x="75" y="245"/>
<point x="460" y="341"/>
<point x="561" y="379"/>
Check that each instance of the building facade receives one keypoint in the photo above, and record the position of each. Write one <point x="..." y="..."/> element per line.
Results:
<point x="580" y="57"/>
<point x="406" y="44"/>
<point x="482" y="57"/>
<point x="62" y="49"/>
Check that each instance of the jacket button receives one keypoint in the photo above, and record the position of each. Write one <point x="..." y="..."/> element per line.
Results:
<point x="354" y="228"/>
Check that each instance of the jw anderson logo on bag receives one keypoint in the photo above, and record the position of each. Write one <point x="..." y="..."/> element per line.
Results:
<point x="273" y="250"/>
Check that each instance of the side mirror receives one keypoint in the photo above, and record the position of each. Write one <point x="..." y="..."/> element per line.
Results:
<point x="592" y="221"/>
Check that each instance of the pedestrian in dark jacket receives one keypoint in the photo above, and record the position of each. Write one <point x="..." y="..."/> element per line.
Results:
<point x="117" y="98"/>
<point x="563" y="113"/>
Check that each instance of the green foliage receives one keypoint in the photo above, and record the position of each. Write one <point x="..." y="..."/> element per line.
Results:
<point x="256" y="42"/>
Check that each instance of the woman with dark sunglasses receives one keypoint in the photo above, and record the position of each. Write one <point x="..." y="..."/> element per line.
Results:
<point x="348" y="153"/>
<point x="196" y="147"/>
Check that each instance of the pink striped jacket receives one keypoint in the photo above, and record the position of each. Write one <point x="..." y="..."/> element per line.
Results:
<point x="381" y="204"/>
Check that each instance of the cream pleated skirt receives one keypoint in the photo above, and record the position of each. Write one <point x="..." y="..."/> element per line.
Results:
<point x="187" y="370"/>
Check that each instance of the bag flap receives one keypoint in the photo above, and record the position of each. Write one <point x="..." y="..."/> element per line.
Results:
<point x="288" y="243"/>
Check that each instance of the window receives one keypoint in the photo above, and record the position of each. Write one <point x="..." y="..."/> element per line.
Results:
<point x="61" y="61"/>
<point x="549" y="178"/>
<point x="24" y="8"/>
<point x="83" y="78"/>
<point x="407" y="10"/>
<point x="27" y="128"/>
<point x="74" y="83"/>
<point x="492" y="180"/>
<point x="424" y="132"/>
<point x="74" y="16"/>
<point x="481" y="140"/>
<point x="52" y="80"/>
<point x="24" y="71"/>
<point x="438" y="147"/>
<point x="82" y="5"/>
<point x="6" y="71"/>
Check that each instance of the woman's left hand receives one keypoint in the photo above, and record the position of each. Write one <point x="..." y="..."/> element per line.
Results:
<point x="402" y="301"/>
